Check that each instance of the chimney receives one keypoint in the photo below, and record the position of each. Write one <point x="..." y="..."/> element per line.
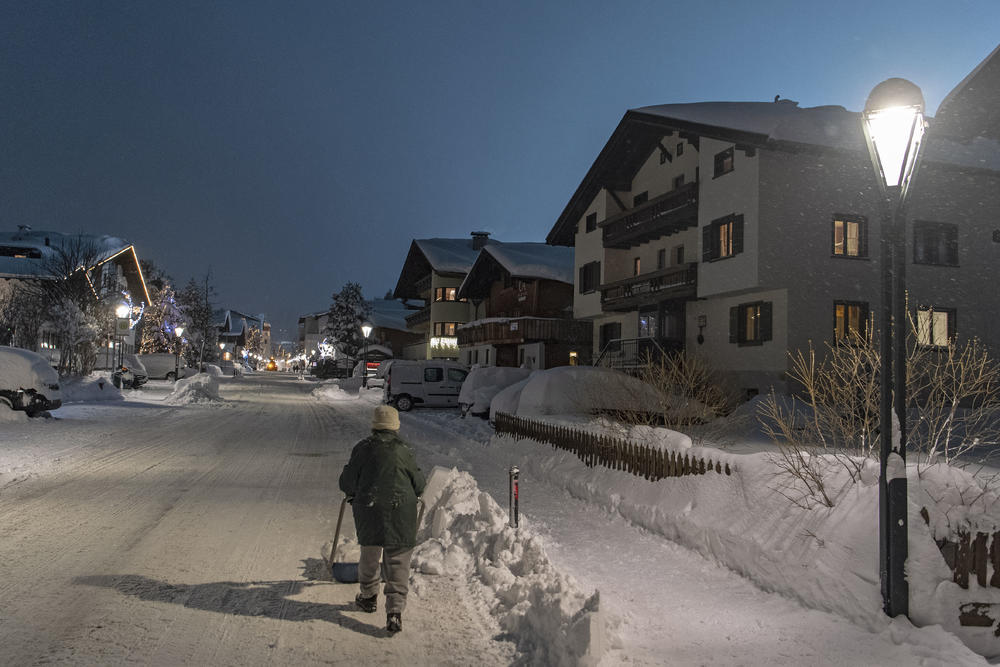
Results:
<point x="479" y="239"/>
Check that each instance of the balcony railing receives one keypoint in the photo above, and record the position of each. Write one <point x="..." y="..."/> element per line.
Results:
<point x="525" y="329"/>
<point x="424" y="284"/>
<point x="675" y="282"/>
<point x="667" y="214"/>
<point x="419" y="317"/>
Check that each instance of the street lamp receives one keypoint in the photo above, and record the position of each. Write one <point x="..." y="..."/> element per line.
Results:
<point x="122" y="311"/>
<point x="178" y="331"/>
<point x="893" y="123"/>
<point x="366" y="330"/>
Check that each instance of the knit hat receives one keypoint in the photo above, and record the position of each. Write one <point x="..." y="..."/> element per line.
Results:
<point x="385" y="419"/>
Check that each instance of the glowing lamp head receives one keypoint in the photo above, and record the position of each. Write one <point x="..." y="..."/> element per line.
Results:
<point x="179" y="331"/>
<point x="893" y="122"/>
<point x="366" y="329"/>
<point x="123" y="310"/>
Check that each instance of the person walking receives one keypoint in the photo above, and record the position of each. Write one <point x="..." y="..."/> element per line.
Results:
<point x="382" y="482"/>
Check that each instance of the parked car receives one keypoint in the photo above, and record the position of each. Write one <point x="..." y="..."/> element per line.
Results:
<point x="28" y="382"/>
<point x="161" y="366"/>
<point x="429" y="383"/>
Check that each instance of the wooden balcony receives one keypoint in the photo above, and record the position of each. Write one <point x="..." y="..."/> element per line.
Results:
<point x="672" y="283"/>
<point x="667" y="214"/>
<point x="525" y="330"/>
<point x="419" y="317"/>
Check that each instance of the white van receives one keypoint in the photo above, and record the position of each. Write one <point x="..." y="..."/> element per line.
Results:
<point x="430" y="383"/>
<point x="161" y="366"/>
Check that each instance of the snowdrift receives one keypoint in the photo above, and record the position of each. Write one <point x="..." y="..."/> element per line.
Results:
<point x="91" y="389"/>
<point x="827" y="558"/>
<point x="200" y="388"/>
<point x="575" y="390"/>
<point x="465" y="533"/>
<point x="346" y="389"/>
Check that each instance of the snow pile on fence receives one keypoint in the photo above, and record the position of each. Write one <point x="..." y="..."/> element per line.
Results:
<point x="90" y="389"/>
<point x="200" y="388"/>
<point x="346" y="389"/>
<point x="826" y="557"/>
<point x="543" y="611"/>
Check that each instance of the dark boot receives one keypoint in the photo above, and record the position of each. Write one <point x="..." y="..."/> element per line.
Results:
<point x="394" y="622"/>
<point x="366" y="604"/>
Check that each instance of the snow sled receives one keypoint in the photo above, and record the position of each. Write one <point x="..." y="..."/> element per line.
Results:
<point x="346" y="572"/>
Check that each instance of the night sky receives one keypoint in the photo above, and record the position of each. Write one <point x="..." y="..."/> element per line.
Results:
<point x="290" y="147"/>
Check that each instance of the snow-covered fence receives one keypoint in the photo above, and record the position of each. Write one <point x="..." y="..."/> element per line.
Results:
<point x="616" y="453"/>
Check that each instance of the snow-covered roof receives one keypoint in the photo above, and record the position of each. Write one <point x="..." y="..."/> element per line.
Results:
<point x="29" y="253"/>
<point x="390" y="314"/>
<point x="449" y="255"/>
<point x="534" y="260"/>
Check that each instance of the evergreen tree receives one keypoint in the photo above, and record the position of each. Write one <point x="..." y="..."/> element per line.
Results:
<point x="348" y="310"/>
<point x="202" y="331"/>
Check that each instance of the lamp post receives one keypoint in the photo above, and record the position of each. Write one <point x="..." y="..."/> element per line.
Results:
<point x="893" y="124"/>
<point x="366" y="329"/>
<point x="122" y="312"/>
<point x="178" y="331"/>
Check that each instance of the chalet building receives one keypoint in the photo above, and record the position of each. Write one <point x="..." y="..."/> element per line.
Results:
<point x="234" y="330"/>
<point x="523" y="295"/>
<point x="107" y="265"/>
<point x="745" y="230"/>
<point x="389" y="332"/>
<point x="433" y="271"/>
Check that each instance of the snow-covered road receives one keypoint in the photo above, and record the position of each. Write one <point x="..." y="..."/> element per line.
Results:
<point x="189" y="535"/>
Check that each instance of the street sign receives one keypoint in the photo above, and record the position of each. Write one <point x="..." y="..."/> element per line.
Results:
<point x="122" y="327"/>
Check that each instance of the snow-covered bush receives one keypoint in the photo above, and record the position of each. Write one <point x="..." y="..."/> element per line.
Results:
<point x="200" y="388"/>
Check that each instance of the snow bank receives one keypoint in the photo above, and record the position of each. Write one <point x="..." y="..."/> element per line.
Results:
<point x="213" y="370"/>
<point x="567" y="390"/>
<point x="8" y="416"/>
<point x="200" y="388"/>
<point x="484" y="383"/>
<point x="543" y="611"/>
<point x="345" y="389"/>
<point x="827" y="558"/>
<point x="91" y="389"/>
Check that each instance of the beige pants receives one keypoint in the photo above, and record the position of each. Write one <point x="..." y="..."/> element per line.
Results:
<point x="395" y="573"/>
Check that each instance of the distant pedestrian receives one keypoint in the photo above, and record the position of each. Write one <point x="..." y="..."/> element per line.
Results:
<point x="382" y="482"/>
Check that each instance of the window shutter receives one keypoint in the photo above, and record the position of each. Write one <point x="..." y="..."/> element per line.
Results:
<point x="738" y="235"/>
<point x="734" y="324"/>
<point x="952" y="323"/>
<point x="583" y="274"/>
<point x="706" y="242"/>
<point x="952" y="235"/>
<point x="765" y="320"/>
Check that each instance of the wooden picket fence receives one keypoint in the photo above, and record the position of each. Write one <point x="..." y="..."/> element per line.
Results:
<point x="597" y="449"/>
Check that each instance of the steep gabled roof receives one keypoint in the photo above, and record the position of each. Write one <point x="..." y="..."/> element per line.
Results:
<point x="32" y="254"/>
<point x="538" y="261"/>
<point x="972" y="108"/>
<point x="390" y="314"/>
<point x="452" y="257"/>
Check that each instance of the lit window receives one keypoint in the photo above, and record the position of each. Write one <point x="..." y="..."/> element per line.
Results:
<point x="722" y="238"/>
<point x="850" y="320"/>
<point x="935" y="326"/>
<point x="724" y="162"/>
<point x="850" y="237"/>
<point x="750" y="323"/>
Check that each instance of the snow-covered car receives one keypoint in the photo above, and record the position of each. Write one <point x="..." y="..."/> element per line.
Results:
<point x="165" y="366"/>
<point x="28" y="382"/>
<point x="485" y="382"/>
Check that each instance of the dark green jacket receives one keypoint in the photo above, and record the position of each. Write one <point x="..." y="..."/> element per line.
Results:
<point x="384" y="481"/>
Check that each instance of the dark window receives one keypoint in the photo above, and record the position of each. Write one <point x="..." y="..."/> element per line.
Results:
<point x="661" y="258"/>
<point x="680" y="148"/>
<point x="590" y="277"/>
<point x="21" y="253"/>
<point x="640" y="199"/>
<point x="850" y="321"/>
<point x="591" y="222"/>
<point x="610" y="332"/>
<point x="722" y="238"/>
<point x="680" y="254"/>
<point x="636" y="264"/>
<point x="456" y="375"/>
<point x="678" y="181"/>
<point x="750" y="323"/>
<point x="935" y="243"/>
<point x="935" y="326"/>
<point x="850" y="236"/>
<point x="724" y="162"/>
<point x="433" y="374"/>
